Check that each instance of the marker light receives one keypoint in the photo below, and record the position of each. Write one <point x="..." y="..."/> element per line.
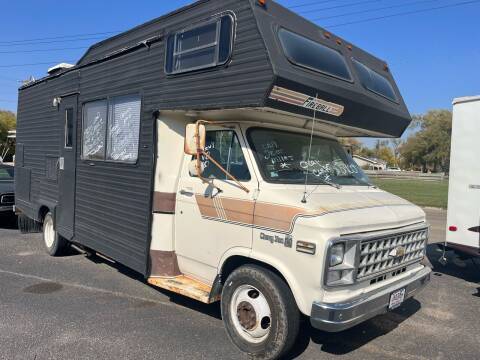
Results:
<point x="262" y="3"/>
<point x="452" y="228"/>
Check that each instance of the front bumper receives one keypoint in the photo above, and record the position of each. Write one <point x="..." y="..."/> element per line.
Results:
<point x="339" y="317"/>
<point x="6" y="209"/>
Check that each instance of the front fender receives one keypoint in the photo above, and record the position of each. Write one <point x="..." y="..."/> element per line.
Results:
<point x="296" y="272"/>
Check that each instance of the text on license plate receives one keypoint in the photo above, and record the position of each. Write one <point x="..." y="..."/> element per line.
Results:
<point x="396" y="299"/>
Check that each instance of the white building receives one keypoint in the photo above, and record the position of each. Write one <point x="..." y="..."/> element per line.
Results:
<point x="369" y="163"/>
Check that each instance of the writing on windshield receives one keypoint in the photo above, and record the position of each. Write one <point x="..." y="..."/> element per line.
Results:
<point x="288" y="157"/>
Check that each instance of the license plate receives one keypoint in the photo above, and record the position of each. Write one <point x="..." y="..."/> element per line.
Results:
<point x="396" y="299"/>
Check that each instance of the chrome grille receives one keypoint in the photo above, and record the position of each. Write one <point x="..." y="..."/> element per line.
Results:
<point x="7" y="199"/>
<point x="378" y="255"/>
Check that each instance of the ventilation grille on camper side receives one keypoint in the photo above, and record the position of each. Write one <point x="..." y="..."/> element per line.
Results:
<point x="381" y="255"/>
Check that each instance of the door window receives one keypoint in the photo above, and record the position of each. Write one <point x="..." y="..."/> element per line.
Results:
<point x="69" y="128"/>
<point x="225" y="148"/>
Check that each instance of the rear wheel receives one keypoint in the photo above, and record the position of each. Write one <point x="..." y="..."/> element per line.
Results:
<point x="259" y="312"/>
<point x="54" y="243"/>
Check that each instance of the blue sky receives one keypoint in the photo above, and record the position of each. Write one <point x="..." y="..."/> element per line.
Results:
<point x="433" y="55"/>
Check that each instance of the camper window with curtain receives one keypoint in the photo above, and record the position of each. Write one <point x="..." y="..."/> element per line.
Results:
<point x="111" y="129"/>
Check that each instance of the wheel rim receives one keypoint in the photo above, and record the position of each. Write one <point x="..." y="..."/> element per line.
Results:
<point x="48" y="232"/>
<point x="250" y="314"/>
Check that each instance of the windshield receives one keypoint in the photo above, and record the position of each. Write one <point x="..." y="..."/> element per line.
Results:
<point x="283" y="157"/>
<point x="6" y="173"/>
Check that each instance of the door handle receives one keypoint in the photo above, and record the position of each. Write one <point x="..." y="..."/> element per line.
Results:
<point x="186" y="192"/>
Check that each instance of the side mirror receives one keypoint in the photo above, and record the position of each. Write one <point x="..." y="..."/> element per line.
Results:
<point x="193" y="168"/>
<point x="191" y="138"/>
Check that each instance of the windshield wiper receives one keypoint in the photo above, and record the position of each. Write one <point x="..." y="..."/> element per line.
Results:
<point x="331" y="183"/>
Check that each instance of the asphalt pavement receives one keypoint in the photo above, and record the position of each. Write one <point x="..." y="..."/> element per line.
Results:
<point x="79" y="307"/>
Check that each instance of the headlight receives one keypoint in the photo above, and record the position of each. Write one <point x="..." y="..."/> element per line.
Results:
<point x="337" y="253"/>
<point x="340" y="263"/>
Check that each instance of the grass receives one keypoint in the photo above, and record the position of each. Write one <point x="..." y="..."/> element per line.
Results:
<point x="420" y="192"/>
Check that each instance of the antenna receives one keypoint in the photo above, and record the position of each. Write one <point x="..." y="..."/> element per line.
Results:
<point x="304" y="199"/>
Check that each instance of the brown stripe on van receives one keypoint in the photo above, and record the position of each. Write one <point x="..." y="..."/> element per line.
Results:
<point x="275" y="216"/>
<point x="239" y="211"/>
<point x="164" y="263"/>
<point x="206" y="206"/>
<point x="164" y="202"/>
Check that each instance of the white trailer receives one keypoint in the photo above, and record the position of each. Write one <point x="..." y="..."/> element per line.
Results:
<point x="463" y="218"/>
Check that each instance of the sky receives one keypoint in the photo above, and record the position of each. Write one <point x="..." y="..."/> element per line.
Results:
<point x="433" y="55"/>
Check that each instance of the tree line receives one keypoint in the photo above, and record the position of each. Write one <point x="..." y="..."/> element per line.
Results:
<point x="426" y="149"/>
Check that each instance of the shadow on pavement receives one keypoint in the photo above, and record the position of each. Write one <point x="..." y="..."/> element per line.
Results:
<point x="8" y="222"/>
<point x="212" y="310"/>
<point x="465" y="269"/>
<point x="352" y="339"/>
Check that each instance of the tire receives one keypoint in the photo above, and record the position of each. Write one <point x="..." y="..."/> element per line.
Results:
<point x="54" y="243"/>
<point x="260" y="314"/>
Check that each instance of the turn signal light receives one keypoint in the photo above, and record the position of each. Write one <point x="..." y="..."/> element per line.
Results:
<point x="262" y="3"/>
<point x="452" y="228"/>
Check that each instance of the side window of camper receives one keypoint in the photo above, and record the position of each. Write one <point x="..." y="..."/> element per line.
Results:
<point x="123" y="129"/>
<point x="111" y="129"/>
<point x="224" y="147"/>
<point x="208" y="44"/>
<point x="94" y="126"/>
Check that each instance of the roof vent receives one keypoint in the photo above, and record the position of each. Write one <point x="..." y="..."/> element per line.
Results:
<point x="59" y="68"/>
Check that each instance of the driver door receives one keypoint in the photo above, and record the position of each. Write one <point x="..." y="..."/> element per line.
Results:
<point x="215" y="216"/>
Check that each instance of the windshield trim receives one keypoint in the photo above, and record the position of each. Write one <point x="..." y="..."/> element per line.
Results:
<point x="251" y="144"/>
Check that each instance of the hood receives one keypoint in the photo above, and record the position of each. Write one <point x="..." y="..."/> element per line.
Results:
<point x="344" y="211"/>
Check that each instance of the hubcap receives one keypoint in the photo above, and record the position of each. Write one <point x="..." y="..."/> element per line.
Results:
<point x="48" y="232"/>
<point x="250" y="313"/>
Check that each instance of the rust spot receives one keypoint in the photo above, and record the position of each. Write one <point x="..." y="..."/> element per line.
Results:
<point x="186" y="286"/>
<point x="246" y="315"/>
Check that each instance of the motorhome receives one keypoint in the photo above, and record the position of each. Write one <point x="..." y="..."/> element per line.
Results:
<point x="463" y="215"/>
<point x="201" y="150"/>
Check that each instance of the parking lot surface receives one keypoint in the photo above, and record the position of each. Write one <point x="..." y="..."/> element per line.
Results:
<point x="79" y="307"/>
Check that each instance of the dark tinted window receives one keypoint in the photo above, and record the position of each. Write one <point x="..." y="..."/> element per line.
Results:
<point x="68" y="128"/>
<point x="312" y="55"/>
<point x="373" y="81"/>
<point x="204" y="46"/>
<point x="6" y="172"/>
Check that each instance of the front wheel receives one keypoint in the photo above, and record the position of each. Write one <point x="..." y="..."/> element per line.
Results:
<point x="259" y="312"/>
<point x="54" y="243"/>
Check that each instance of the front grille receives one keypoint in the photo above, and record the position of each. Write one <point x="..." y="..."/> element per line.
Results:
<point x="7" y="199"/>
<point x="378" y="255"/>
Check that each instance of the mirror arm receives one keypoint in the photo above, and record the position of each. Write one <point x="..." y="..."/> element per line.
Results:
<point x="225" y="171"/>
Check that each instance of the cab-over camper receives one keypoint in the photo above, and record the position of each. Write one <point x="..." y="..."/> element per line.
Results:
<point x="201" y="150"/>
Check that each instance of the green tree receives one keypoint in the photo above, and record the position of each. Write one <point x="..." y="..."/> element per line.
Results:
<point x="8" y="121"/>
<point x="429" y="148"/>
<point x="352" y="145"/>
